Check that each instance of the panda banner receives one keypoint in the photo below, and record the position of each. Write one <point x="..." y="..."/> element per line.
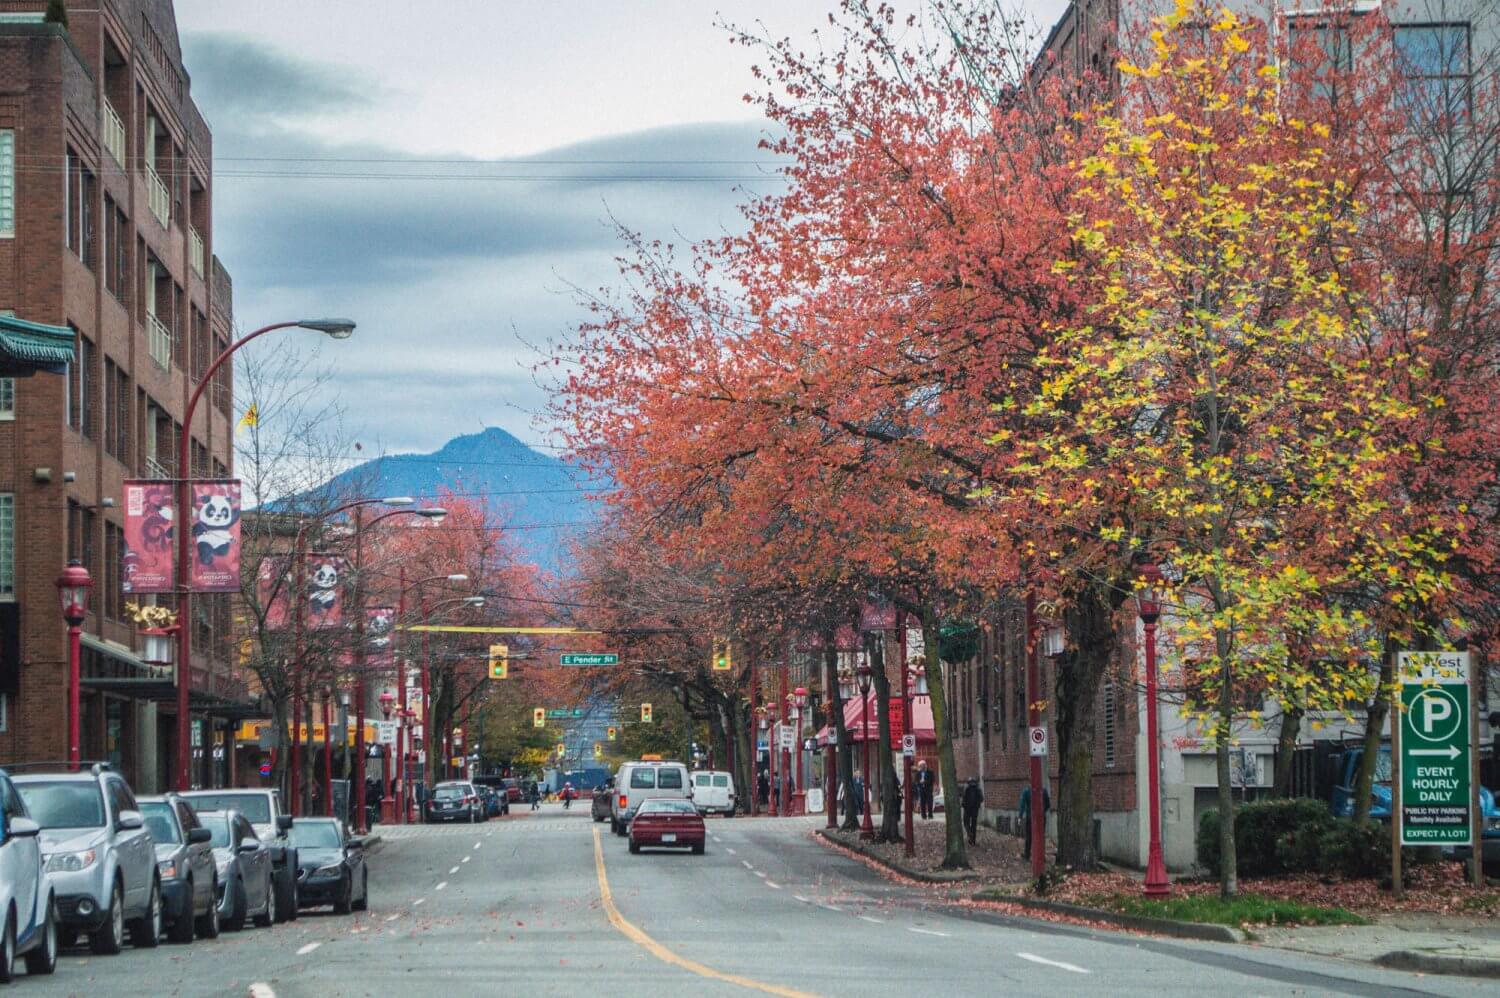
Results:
<point x="148" y="550"/>
<point x="379" y="622"/>
<point x="215" y="531"/>
<point x="325" y="590"/>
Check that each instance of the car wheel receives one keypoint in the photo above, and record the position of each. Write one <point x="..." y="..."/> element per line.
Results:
<point x="267" y="918"/>
<point x="181" y="931"/>
<point x="208" y="922"/>
<point x="145" y="932"/>
<point x="363" y="904"/>
<point x="43" y="959"/>
<point x="235" y="921"/>
<point x="343" y="902"/>
<point x="109" y="938"/>
<point x="8" y="950"/>
<point x="635" y="846"/>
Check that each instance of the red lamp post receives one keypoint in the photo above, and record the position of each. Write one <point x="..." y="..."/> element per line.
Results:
<point x="866" y="676"/>
<point x="73" y="587"/>
<point x="387" y="804"/>
<point x="910" y="848"/>
<point x="772" y="751"/>
<point x="1148" y="605"/>
<point x="797" y="701"/>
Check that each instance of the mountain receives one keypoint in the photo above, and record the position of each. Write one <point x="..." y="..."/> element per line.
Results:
<point x="538" y="496"/>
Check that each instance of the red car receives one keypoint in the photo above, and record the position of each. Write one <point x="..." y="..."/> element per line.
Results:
<point x="669" y="822"/>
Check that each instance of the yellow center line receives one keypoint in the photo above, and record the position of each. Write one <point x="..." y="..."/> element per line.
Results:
<point x="659" y="951"/>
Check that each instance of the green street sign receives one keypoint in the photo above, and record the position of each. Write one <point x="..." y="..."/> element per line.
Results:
<point x="601" y="658"/>
<point x="1436" y="757"/>
<point x="563" y="713"/>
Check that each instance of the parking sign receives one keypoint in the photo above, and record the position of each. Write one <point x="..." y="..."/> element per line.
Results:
<point x="1436" y="757"/>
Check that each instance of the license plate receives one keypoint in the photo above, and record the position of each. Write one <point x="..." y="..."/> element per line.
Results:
<point x="669" y="837"/>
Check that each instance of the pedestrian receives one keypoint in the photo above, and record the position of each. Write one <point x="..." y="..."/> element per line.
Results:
<point x="924" y="789"/>
<point x="1023" y="814"/>
<point x="536" y="796"/>
<point x="859" y="793"/>
<point x="763" y="788"/>
<point x="973" y="797"/>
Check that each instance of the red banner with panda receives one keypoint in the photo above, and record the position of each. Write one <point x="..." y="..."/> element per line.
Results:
<point x="380" y="624"/>
<point x="149" y="538"/>
<point x="214" y="532"/>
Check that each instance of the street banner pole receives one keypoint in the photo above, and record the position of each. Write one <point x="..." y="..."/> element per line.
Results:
<point x="1398" y="799"/>
<point x="1476" y="819"/>
<point x="1038" y="815"/>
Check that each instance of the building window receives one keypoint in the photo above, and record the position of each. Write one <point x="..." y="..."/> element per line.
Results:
<point x="1435" y="60"/>
<point x="1323" y="51"/>
<point x="1109" y="724"/>
<point x="7" y="545"/>
<point x="7" y="183"/>
<point x="115" y="247"/>
<point x="114" y="551"/>
<point x="116" y="411"/>
<point x="80" y="189"/>
<point x="7" y="398"/>
<point x="80" y="393"/>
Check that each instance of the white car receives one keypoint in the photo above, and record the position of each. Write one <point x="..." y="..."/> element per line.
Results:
<point x="640" y="781"/>
<point x="713" y="792"/>
<point x="25" y="891"/>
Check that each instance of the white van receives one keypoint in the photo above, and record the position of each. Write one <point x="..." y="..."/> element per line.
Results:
<point x="639" y="781"/>
<point x="713" y="792"/>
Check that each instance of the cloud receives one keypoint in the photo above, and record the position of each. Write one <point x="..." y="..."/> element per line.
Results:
<point x="237" y="76"/>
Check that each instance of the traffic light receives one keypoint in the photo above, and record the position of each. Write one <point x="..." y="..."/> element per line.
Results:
<point x="612" y="732"/>
<point x="499" y="662"/>
<point x="539" y="718"/>
<point x="598" y="750"/>
<point x="721" y="660"/>
<point x="645" y="713"/>
<point x="562" y="749"/>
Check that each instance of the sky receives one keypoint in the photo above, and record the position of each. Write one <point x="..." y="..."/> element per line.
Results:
<point x="447" y="173"/>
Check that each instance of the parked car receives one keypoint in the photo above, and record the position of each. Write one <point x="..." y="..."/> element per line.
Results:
<point x="262" y="808"/>
<point x="99" y="855"/>
<point x="243" y="862"/>
<point x="713" y="792"/>
<point x="668" y="822"/>
<point x="599" y="806"/>
<point x="639" y="781"/>
<point x="454" y="801"/>
<point x="513" y="794"/>
<point x="26" y="893"/>
<point x="332" y="869"/>
<point x="185" y="863"/>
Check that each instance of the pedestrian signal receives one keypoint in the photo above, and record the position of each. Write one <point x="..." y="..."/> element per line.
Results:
<point x="645" y="713"/>
<point x="499" y="662"/>
<point x="539" y="718"/>
<point x="721" y="660"/>
<point x="612" y="732"/>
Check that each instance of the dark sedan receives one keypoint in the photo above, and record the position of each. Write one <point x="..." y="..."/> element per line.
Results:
<point x="669" y="822"/>
<point x="330" y="866"/>
<point x="599" y="806"/>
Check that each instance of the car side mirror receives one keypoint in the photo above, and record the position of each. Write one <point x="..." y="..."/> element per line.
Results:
<point x="356" y="843"/>
<point x="23" y="828"/>
<point x="197" y="835"/>
<point x="249" y="845"/>
<point x="283" y="822"/>
<point x="129" y="821"/>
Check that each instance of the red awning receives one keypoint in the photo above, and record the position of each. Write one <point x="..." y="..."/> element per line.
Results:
<point x="921" y="708"/>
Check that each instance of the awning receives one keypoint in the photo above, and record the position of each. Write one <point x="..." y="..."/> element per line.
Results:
<point x="28" y="347"/>
<point x="113" y="668"/>
<point x="854" y="715"/>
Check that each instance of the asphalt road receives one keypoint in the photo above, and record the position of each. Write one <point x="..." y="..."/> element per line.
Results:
<point x="518" y="906"/>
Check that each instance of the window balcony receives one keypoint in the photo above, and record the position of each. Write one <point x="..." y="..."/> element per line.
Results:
<point x="159" y="342"/>
<point x="161" y="198"/>
<point x="114" y="134"/>
<point x="195" y="250"/>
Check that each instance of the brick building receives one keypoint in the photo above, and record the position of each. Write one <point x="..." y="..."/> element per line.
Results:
<point x="106" y="227"/>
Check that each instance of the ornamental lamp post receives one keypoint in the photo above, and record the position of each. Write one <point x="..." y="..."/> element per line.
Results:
<point x="1148" y="605"/>
<point x="798" y="703"/>
<point x="772" y="751"/>
<point x="387" y="805"/>
<point x="865" y="675"/>
<point x="73" y="587"/>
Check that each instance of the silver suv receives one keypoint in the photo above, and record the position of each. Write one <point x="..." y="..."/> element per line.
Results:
<point x="99" y="856"/>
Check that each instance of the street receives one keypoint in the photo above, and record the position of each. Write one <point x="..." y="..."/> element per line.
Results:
<point x="516" y="905"/>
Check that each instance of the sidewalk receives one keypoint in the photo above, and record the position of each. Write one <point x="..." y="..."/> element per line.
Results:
<point x="1437" y="944"/>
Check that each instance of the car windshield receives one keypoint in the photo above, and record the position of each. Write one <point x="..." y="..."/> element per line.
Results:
<point x="1383" y="768"/>
<point x="64" y="804"/>
<point x="218" y="829"/>
<point x="448" y="793"/>
<point x="667" y="807"/>
<point x="315" y="835"/>
<point x="160" y="823"/>
<point x="256" y="807"/>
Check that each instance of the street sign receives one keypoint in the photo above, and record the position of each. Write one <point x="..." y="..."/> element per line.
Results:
<point x="788" y="737"/>
<point x="909" y="746"/>
<point x="1037" y="737"/>
<point x="1436" y="757"/>
<point x="385" y="732"/>
<point x="265" y="769"/>
<point x="600" y="658"/>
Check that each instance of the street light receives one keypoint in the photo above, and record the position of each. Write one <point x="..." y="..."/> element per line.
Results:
<point x="339" y="329"/>
<point x="404" y="588"/>
<point x="797" y="700"/>
<point x="1148" y="605"/>
<point x="773" y="752"/>
<point x="73" y="587"/>
<point x="866" y="675"/>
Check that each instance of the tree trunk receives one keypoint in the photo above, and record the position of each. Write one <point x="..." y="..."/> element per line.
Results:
<point x="718" y="748"/>
<point x="1091" y="623"/>
<point x="1286" y="749"/>
<point x="890" y="806"/>
<point x="744" y="755"/>
<point x="1229" y="883"/>
<point x="955" y="851"/>
<point x="1375" y="715"/>
<point x="843" y="754"/>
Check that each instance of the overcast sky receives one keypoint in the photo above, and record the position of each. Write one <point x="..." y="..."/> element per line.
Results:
<point x="454" y="263"/>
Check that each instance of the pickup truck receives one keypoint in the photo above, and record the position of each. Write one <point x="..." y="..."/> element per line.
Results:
<point x="262" y="808"/>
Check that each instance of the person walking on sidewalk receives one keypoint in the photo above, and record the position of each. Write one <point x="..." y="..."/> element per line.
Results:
<point x="972" y="798"/>
<point x="1023" y="814"/>
<point x="536" y="796"/>
<point x="924" y="789"/>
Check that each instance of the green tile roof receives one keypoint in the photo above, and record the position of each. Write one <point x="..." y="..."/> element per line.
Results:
<point x="27" y="346"/>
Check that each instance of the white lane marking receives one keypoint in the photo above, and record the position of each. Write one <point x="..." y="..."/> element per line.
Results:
<point x="260" y="989"/>
<point x="1052" y="963"/>
<point x="760" y="875"/>
<point x="452" y="871"/>
<point x="478" y="844"/>
<point x="392" y="918"/>
<point x="774" y="887"/>
<point x="747" y="864"/>
<point x="308" y="949"/>
<point x="466" y="859"/>
<point x="730" y="851"/>
<point x="926" y="932"/>
<point x="441" y="886"/>
<point x="872" y="921"/>
<point x="799" y="897"/>
<point x="830" y="907"/>
<point x="417" y="902"/>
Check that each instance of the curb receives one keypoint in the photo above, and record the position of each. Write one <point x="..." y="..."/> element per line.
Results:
<point x="1162" y="926"/>
<point x="372" y="841"/>
<point x="1437" y="963"/>
<point x="905" y="871"/>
